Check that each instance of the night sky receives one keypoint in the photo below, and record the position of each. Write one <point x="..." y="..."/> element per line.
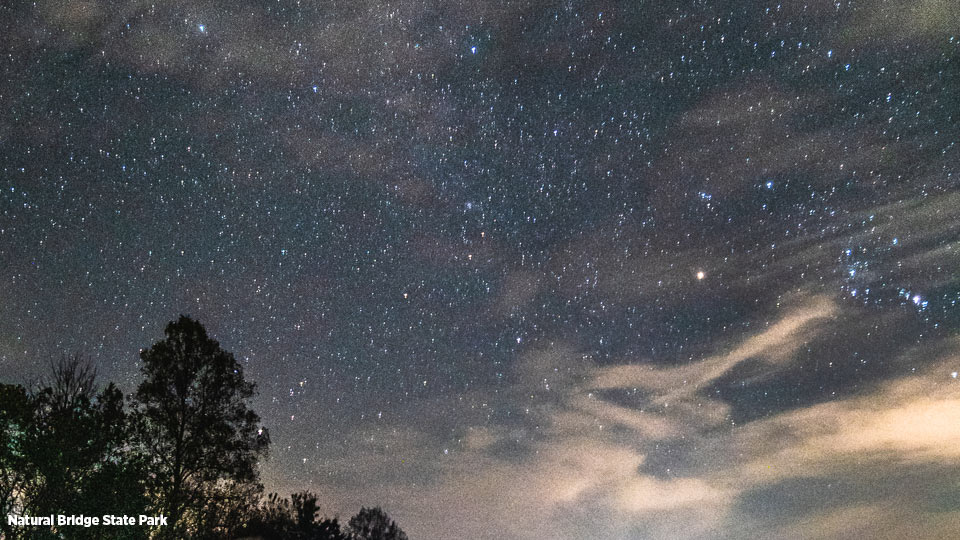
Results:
<point x="516" y="270"/>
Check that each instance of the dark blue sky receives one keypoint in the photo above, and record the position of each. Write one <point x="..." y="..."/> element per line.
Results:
<point x="516" y="269"/>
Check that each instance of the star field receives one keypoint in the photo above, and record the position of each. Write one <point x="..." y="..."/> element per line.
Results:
<point x="516" y="270"/>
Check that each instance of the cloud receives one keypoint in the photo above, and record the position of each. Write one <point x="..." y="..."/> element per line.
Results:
<point x="912" y="20"/>
<point x="676" y="393"/>
<point x="586" y="471"/>
<point x="909" y="420"/>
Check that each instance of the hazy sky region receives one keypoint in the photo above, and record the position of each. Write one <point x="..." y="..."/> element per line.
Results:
<point x="517" y="270"/>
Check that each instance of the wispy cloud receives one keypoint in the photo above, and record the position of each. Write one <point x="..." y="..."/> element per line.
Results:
<point x="591" y="452"/>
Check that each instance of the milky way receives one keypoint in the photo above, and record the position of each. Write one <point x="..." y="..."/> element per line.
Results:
<point x="516" y="269"/>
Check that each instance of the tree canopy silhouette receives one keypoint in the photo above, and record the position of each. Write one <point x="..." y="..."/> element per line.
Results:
<point x="65" y="451"/>
<point x="16" y="469"/>
<point x="374" y="524"/>
<point x="192" y="420"/>
<point x="187" y="447"/>
<point x="281" y="519"/>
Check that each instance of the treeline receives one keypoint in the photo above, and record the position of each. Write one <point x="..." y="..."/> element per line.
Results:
<point x="184" y="445"/>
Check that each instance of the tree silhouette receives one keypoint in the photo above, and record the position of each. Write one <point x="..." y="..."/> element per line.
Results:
<point x="187" y="448"/>
<point x="374" y="524"/>
<point x="278" y="519"/>
<point x="76" y="431"/>
<point x="192" y="420"/>
<point x="66" y="444"/>
<point x="16" y="470"/>
<point x="329" y="529"/>
<point x="228" y="509"/>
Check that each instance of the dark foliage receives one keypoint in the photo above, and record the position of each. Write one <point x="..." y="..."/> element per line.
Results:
<point x="280" y="518"/>
<point x="65" y="451"/>
<point x="17" y="472"/>
<point x="374" y="524"/>
<point x="187" y="449"/>
<point x="192" y="420"/>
